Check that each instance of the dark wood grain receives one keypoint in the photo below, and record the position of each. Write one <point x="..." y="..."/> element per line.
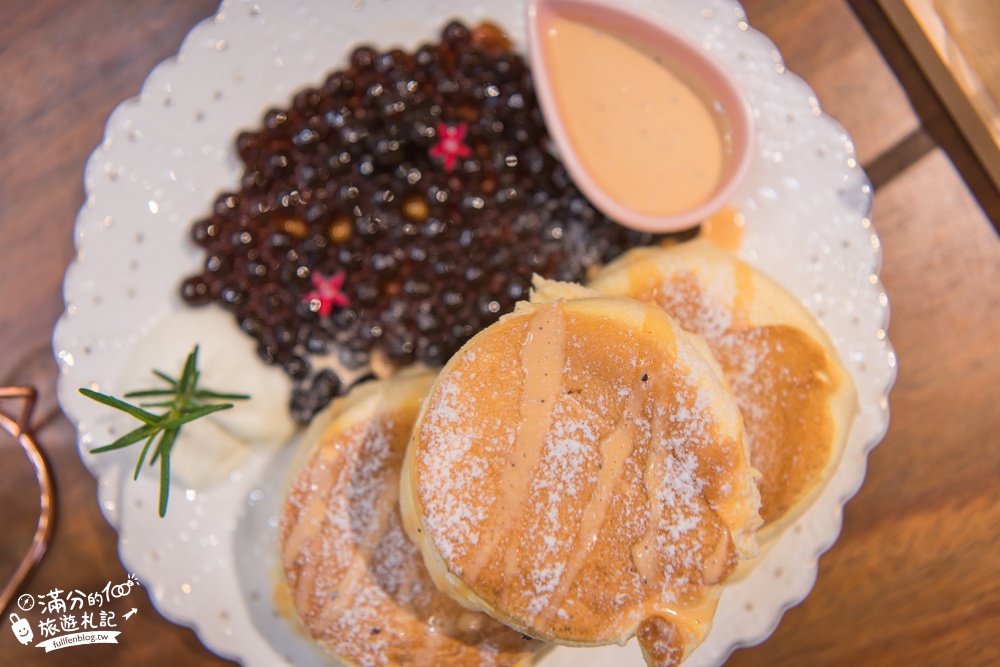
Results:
<point x="913" y="578"/>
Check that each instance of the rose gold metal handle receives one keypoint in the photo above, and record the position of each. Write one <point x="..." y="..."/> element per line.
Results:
<point x="20" y="430"/>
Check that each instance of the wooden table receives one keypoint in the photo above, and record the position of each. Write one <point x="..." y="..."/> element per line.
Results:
<point x="915" y="576"/>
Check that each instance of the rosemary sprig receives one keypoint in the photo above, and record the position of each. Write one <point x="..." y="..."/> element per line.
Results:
<point x="184" y="402"/>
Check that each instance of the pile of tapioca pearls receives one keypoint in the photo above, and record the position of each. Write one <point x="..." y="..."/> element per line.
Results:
<point x="395" y="211"/>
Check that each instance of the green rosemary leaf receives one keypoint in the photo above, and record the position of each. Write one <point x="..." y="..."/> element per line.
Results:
<point x="151" y="392"/>
<point x="191" y="415"/>
<point x="205" y="393"/>
<point x="118" y="404"/>
<point x="186" y="382"/>
<point x="166" y="378"/>
<point x="142" y="456"/>
<point x="129" y="438"/>
<point x="166" y="444"/>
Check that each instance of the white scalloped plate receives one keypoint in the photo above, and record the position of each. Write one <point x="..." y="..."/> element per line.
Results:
<point x="167" y="153"/>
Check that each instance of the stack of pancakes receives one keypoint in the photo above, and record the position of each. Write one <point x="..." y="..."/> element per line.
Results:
<point x="581" y="472"/>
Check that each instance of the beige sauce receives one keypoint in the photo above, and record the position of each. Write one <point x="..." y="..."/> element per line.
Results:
<point x="542" y="358"/>
<point x="664" y="634"/>
<point x="644" y="553"/>
<point x="646" y="136"/>
<point x="615" y="450"/>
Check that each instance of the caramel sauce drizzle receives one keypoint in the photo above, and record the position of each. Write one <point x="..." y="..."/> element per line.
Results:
<point x="644" y="553"/>
<point x="314" y="515"/>
<point x="542" y="357"/>
<point x="615" y="449"/>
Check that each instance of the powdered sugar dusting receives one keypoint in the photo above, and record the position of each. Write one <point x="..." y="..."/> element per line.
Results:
<point x="568" y="468"/>
<point x="456" y="531"/>
<point x="776" y="372"/>
<point x="702" y="304"/>
<point x="747" y="356"/>
<point x="358" y="584"/>
<point x="461" y="439"/>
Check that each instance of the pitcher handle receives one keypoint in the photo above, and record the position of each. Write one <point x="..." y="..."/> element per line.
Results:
<point x="20" y="430"/>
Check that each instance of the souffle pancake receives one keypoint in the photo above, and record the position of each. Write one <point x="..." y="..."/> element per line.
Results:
<point x="357" y="583"/>
<point x="578" y="472"/>
<point x="797" y="400"/>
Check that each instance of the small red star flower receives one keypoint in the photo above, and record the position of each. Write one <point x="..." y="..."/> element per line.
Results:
<point x="327" y="293"/>
<point x="449" y="146"/>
